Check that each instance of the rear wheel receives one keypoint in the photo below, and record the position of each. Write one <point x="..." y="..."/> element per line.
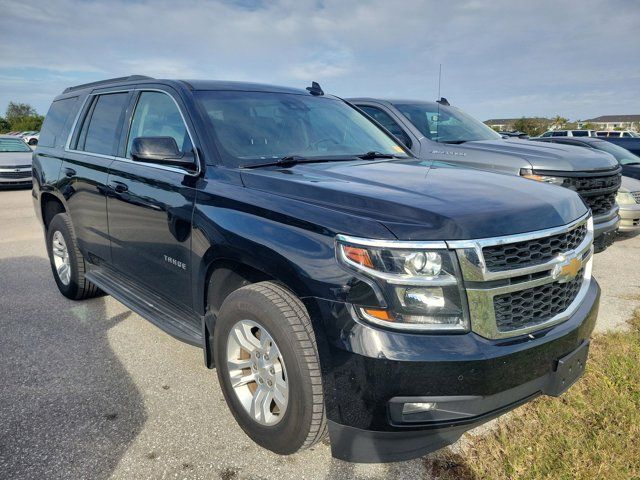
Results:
<point x="67" y="263"/>
<point x="268" y="367"/>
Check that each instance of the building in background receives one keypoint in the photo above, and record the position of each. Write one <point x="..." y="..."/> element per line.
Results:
<point x="511" y="124"/>
<point x="614" y="122"/>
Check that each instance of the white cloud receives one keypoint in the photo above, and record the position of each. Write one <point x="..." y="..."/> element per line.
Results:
<point x="501" y="58"/>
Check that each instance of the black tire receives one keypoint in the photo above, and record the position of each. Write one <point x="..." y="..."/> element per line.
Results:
<point x="33" y="141"/>
<point x="78" y="288"/>
<point x="284" y="316"/>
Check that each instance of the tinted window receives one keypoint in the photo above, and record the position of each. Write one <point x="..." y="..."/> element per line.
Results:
<point x="57" y="123"/>
<point x="614" y="134"/>
<point x="559" y="134"/>
<point x="446" y="124"/>
<point x="103" y="130"/>
<point x="601" y="134"/>
<point x="260" y="127"/>
<point x="13" y="145"/>
<point x="624" y="156"/>
<point x="580" y="133"/>
<point x="387" y="122"/>
<point x="546" y="134"/>
<point x="157" y="115"/>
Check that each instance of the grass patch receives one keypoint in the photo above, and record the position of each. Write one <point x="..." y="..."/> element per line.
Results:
<point x="592" y="431"/>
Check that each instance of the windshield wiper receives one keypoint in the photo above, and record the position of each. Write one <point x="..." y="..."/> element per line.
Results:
<point x="453" y="142"/>
<point x="371" y="155"/>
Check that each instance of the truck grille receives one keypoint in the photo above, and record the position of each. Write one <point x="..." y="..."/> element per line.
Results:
<point x="526" y="308"/>
<point x="533" y="252"/>
<point x="15" y="175"/>
<point x="521" y="283"/>
<point x="599" y="193"/>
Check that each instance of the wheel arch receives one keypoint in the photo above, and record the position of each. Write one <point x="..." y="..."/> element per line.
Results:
<point x="50" y="206"/>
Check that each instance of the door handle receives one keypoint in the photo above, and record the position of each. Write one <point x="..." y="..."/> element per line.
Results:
<point x="119" y="187"/>
<point x="69" y="172"/>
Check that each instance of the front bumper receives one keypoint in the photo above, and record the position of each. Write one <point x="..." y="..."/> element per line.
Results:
<point x="368" y="372"/>
<point x="604" y="229"/>
<point x="15" y="176"/>
<point x="630" y="218"/>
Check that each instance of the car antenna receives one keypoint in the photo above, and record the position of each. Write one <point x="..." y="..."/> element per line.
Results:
<point x="438" y="102"/>
<point x="315" y="89"/>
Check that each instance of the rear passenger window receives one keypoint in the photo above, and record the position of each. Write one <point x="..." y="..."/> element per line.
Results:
<point x="580" y="133"/>
<point x="57" y="123"/>
<point x="559" y="134"/>
<point x="157" y="115"/>
<point x="102" y="133"/>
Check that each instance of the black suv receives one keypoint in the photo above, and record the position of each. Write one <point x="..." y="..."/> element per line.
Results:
<point x="336" y="282"/>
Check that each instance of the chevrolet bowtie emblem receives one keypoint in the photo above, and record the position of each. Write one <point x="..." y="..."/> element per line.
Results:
<point x="567" y="271"/>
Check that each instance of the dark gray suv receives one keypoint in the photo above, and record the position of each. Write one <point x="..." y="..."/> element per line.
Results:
<point x="438" y="130"/>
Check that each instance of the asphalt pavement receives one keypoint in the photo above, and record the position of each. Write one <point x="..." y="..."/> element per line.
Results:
<point x="91" y="390"/>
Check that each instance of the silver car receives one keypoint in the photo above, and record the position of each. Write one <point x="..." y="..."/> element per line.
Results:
<point x="629" y="200"/>
<point x="15" y="162"/>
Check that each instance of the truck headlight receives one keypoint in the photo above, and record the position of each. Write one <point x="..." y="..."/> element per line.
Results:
<point x="528" y="173"/>
<point x="421" y="285"/>
<point x="625" y="198"/>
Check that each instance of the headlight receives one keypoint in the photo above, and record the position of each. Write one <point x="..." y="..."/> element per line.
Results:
<point x="421" y="285"/>
<point x="625" y="198"/>
<point x="528" y="173"/>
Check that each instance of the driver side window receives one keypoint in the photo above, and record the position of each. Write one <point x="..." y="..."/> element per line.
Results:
<point x="157" y="115"/>
<point x="384" y="119"/>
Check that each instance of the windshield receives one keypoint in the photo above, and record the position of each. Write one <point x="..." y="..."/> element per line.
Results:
<point x="13" y="145"/>
<point x="446" y="124"/>
<point x="257" y="127"/>
<point x="624" y="156"/>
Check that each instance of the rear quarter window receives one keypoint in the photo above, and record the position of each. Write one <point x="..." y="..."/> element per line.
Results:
<point x="57" y="123"/>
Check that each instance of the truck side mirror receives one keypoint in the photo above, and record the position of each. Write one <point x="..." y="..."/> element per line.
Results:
<point x="160" y="150"/>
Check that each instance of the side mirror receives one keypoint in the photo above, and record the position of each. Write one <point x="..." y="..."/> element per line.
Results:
<point x="160" y="150"/>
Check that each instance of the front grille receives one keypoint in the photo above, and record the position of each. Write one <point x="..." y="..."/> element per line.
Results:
<point x="599" y="193"/>
<point x="636" y="195"/>
<point x="532" y="252"/>
<point x="530" y="307"/>
<point x="15" y="175"/>
<point x="601" y="204"/>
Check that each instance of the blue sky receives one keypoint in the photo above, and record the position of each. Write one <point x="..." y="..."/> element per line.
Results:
<point x="576" y="58"/>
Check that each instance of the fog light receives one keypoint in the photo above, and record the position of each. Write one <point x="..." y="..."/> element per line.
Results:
<point x="410" y="408"/>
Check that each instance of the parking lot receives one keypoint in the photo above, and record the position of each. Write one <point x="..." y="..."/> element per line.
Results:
<point x="91" y="390"/>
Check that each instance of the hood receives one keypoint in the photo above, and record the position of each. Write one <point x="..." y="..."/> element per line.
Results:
<point x="418" y="200"/>
<point x="630" y="185"/>
<point x="13" y="159"/>
<point x="548" y="156"/>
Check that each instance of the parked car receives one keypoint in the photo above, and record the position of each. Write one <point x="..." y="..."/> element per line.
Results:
<point x="569" y="133"/>
<point x="436" y="129"/>
<point x="31" y="138"/>
<point x="618" y="134"/>
<point x="514" y="134"/>
<point x="15" y="162"/>
<point x="334" y="280"/>
<point x="629" y="162"/>
<point x="629" y="193"/>
<point x="628" y="143"/>
<point x="629" y="200"/>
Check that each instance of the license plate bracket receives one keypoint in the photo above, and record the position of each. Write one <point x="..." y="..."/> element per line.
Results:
<point x="568" y="370"/>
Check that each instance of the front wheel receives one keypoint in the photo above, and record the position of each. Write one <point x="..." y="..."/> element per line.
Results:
<point x="268" y="367"/>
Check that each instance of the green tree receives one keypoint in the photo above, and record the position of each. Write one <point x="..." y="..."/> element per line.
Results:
<point x="17" y="111"/>
<point x="4" y="125"/>
<point x="531" y="126"/>
<point x="588" y="126"/>
<point x="559" y="122"/>
<point x="32" y="122"/>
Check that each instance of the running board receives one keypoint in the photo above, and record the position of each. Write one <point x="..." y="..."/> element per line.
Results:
<point x="152" y="307"/>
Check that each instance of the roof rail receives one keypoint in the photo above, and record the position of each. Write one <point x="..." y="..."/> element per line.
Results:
<point x="106" y="82"/>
